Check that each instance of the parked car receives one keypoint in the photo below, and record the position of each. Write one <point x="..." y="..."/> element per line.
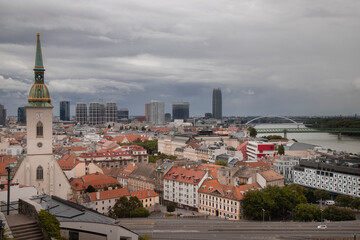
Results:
<point x="322" y="227"/>
<point x="329" y="202"/>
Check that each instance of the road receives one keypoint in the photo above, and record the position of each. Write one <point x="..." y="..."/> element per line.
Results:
<point x="220" y="229"/>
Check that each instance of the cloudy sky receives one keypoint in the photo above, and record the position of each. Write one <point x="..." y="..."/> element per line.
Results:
<point x="298" y="57"/>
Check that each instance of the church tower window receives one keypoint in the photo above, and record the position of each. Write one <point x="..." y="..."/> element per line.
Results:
<point x="39" y="130"/>
<point x="39" y="173"/>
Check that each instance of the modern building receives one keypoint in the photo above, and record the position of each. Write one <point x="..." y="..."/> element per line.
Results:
<point x="40" y="168"/>
<point x="157" y="114"/>
<point x="217" y="104"/>
<point x="96" y="113"/>
<point x="21" y="115"/>
<point x="2" y="115"/>
<point x="111" y="112"/>
<point x="285" y="166"/>
<point x="122" y="114"/>
<point x="81" y="113"/>
<point x="330" y="176"/>
<point x="65" y="111"/>
<point x="208" y="115"/>
<point x="167" y="117"/>
<point x="257" y="149"/>
<point x="147" y="112"/>
<point x="180" y="110"/>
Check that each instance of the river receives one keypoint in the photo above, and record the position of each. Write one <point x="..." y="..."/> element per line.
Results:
<point x="347" y="143"/>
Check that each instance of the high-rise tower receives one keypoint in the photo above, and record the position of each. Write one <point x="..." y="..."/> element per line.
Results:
<point x="217" y="104"/>
<point x="39" y="168"/>
<point x="81" y="113"/>
<point x="65" y="111"/>
<point x="180" y="110"/>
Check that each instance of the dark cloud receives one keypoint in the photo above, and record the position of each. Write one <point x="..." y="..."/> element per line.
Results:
<point x="269" y="57"/>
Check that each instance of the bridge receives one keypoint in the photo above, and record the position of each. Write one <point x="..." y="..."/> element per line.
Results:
<point x="338" y="131"/>
<point x="272" y="116"/>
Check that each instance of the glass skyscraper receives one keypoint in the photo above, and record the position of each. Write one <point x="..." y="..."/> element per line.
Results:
<point x="65" y="111"/>
<point x="180" y="110"/>
<point x="217" y="104"/>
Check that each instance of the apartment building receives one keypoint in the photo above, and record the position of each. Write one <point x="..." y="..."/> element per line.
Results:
<point x="181" y="187"/>
<point x="257" y="149"/>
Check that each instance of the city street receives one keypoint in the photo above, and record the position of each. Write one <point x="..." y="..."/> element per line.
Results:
<point x="180" y="228"/>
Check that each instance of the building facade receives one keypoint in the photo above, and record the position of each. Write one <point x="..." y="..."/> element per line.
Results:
<point x="217" y="104"/>
<point x="96" y="113"/>
<point x="21" y="115"/>
<point x="65" y="111"/>
<point x="2" y="115"/>
<point x="111" y="112"/>
<point x="180" y="110"/>
<point x="157" y="114"/>
<point x="122" y="114"/>
<point x="257" y="149"/>
<point x="81" y="113"/>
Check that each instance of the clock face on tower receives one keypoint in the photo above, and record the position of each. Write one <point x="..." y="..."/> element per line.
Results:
<point x="39" y="77"/>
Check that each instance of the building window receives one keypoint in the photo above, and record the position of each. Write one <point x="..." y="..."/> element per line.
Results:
<point x="39" y="130"/>
<point x="39" y="173"/>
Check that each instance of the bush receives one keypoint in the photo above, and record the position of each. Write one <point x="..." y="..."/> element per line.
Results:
<point x="307" y="213"/>
<point x="221" y="163"/>
<point x="170" y="207"/>
<point x="50" y="223"/>
<point x="333" y="213"/>
<point x="140" y="212"/>
<point x="343" y="201"/>
<point x="355" y="204"/>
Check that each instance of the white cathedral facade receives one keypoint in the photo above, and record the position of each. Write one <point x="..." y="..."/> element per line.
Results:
<point x="39" y="168"/>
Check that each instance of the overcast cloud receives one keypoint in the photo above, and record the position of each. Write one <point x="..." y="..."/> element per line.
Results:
<point x="268" y="57"/>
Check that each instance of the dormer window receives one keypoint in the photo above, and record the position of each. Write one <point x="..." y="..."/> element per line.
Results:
<point x="39" y="130"/>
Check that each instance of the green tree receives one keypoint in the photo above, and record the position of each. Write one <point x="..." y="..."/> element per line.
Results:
<point x="50" y="223"/>
<point x="170" y="207"/>
<point x="355" y="204"/>
<point x="143" y="129"/>
<point x="144" y="237"/>
<point x="343" y="201"/>
<point x="121" y="208"/>
<point x="90" y="189"/>
<point x="221" y="162"/>
<point x="204" y="161"/>
<point x="307" y="213"/>
<point x="252" y="132"/>
<point x="334" y="213"/>
<point x="253" y="204"/>
<point x="310" y="196"/>
<point x="140" y="212"/>
<point x="121" y="128"/>
<point x="321" y="195"/>
<point x="281" y="150"/>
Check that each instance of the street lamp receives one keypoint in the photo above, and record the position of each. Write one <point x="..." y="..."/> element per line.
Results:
<point x="8" y="195"/>
<point x="321" y="215"/>
<point x="263" y="210"/>
<point x="294" y="205"/>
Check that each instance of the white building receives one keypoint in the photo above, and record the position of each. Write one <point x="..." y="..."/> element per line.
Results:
<point x="329" y="177"/>
<point x="181" y="186"/>
<point x="157" y="112"/>
<point x="258" y="149"/>
<point x="285" y="166"/>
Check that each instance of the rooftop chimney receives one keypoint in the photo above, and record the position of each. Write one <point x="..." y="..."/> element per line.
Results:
<point x="97" y="195"/>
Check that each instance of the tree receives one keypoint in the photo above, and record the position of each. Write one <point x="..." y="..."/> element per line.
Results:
<point x="333" y="213"/>
<point x="253" y="204"/>
<point x="343" y="201"/>
<point x="252" y="132"/>
<point x="125" y="208"/>
<point x="170" y="207"/>
<point x="140" y="212"/>
<point x="321" y="195"/>
<point x="281" y="150"/>
<point x="121" y="128"/>
<point x="50" y="223"/>
<point x="355" y="204"/>
<point x="90" y="189"/>
<point x="309" y="194"/>
<point x="143" y="129"/>
<point x="307" y="213"/>
<point x="145" y="237"/>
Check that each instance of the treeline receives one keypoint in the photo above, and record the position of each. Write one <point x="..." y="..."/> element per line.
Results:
<point x="335" y="123"/>
<point x="289" y="202"/>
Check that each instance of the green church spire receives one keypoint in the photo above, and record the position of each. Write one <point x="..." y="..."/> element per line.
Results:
<point x="39" y="95"/>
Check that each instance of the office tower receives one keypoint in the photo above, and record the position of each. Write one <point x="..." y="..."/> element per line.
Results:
<point x="110" y="112"/>
<point x="65" y="111"/>
<point x="180" y="110"/>
<point x="157" y="115"/>
<point x="217" y="104"/>
<point x="96" y="113"/>
<point x="81" y="113"/>
<point x="122" y="114"/>
<point x="2" y="115"/>
<point x="147" y="112"/>
<point x="167" y="117"/>
<point x="21" y="115"/>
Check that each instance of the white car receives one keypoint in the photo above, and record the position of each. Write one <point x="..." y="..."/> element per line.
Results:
<point x="322" y="227"/>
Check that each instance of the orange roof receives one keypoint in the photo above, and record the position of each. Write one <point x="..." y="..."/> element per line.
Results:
<point x="68" y="162"/>
<point x="132" y="138"/>
<point x="75" y="140"/>
<point x="3" y="171"/>
<point x="129" y="169"/>
<point x="118" y="138"/>
<point x="109" y="194"/>
<point x="212" y="167"/>
<point x="214" y="187"/>
<point x="257" y="164"/>
<point x="97" y="180"/>
<point x="7" y="159"/>
<point x="271" y="175"/>
<point x="144" y="194"/>
<point x="185" y="175"/>
<point x="75" y="148"/>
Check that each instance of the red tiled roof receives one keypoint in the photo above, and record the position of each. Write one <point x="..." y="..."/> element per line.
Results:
<point x="109" y="194"/>
<point x="185" y="175"/>
<point x="212" y="167"/>
<point x="105" y="154"/>
<point x="214" y="187"/>
<point x="68" y="162"/>
<point x="144" y="194"/>
<point x="128" y="170"/>
<point x="271" y="175"/>
<point x="97" y="180"/>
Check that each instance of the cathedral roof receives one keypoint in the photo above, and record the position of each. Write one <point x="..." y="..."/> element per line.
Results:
<point x="39" y="95"/>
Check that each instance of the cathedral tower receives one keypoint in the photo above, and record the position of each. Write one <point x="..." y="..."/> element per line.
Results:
<point x="39" y="168"/>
